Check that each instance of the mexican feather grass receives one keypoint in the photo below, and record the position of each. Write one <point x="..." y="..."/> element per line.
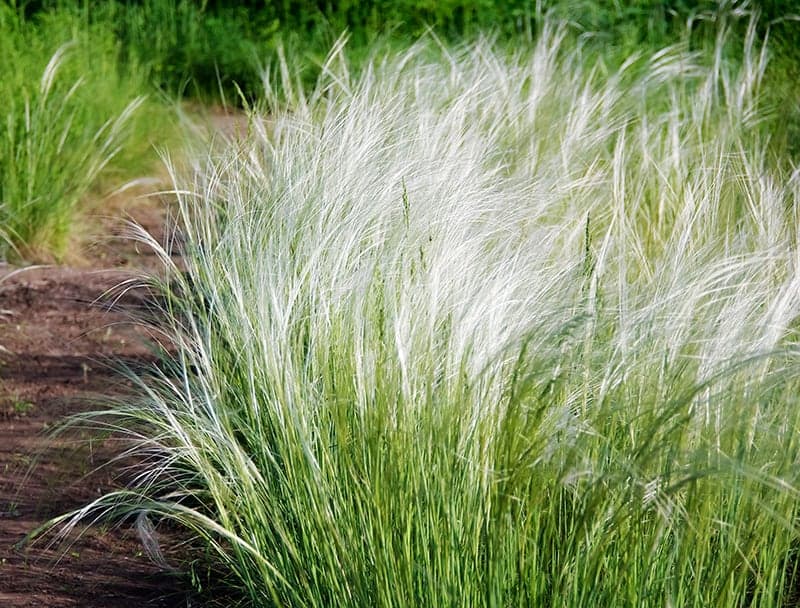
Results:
<point x="480" y="329"/>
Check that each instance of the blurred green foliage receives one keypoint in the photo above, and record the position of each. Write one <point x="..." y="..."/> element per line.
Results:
<point x="209" y="45"/>
<point x="219" y="49"/>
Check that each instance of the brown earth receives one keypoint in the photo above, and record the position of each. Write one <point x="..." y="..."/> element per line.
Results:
<point x="61" y="342"/>
<point x="58" y="337"/>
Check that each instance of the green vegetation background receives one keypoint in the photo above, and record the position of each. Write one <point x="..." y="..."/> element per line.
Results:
<point x="202" y="43"/>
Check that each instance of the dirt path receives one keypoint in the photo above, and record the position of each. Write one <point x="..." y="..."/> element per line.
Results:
<point x="56" y="344"/>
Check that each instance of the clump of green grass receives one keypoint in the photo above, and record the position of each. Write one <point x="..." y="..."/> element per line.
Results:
<point x="70" y="116"/>
<point x="487" y="330"/>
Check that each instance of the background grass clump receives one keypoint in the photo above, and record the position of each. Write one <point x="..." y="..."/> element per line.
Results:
<point x="71" y="117"/>
<point x="471" y="327"/>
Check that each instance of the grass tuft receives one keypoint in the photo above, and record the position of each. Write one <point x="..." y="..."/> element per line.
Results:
<point x="72" y="117"/>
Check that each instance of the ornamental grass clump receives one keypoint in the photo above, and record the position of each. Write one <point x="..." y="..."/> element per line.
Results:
<point x="480" y="329"/>
<point x="71" y="117"/>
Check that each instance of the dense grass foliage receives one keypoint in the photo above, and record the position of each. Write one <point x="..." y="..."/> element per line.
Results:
<point x="69" y="116"/>
<point x="212" y="47"/>
<point x="487" y="330"/>
<point x="187" y="49"/>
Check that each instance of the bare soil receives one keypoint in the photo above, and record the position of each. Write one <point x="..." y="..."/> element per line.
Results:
<point x="61" y="343"/>
<point x="58" y="338"/>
